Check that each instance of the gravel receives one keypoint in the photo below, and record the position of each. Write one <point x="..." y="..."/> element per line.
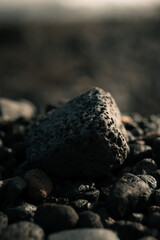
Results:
<point x="80" y="171"/>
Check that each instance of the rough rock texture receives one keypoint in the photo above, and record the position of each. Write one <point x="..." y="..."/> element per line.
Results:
<point x="11" y="110"/>
<point x="55" y="217"/>
<point x="85" y="234"/>
<point x="23" y="231"/>
<point x="130" y="193"/>
<point x="85" y="133"/>
<point x="38" y="184"/>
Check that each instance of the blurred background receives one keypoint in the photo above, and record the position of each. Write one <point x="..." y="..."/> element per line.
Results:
<point x="51" y="51"/>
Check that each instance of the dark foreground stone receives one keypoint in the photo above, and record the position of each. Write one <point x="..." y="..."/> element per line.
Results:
<point x="85" y="133"/>
<point x="54" y="217"/>
<point x="85" y="234"/>
<point x="23" y="231"/>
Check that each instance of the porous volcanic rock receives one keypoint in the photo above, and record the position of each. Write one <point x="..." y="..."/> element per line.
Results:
<point x="85" y="133"/>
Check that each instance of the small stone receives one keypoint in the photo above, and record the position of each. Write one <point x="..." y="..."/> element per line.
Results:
<point x="145" y="166"/>
<point x="156" y="149"/>
<point x="91" y="195"/>
<point x="89" y="219"/>
<point x="130" y="230"/>
<point x="85" y="234"/>
<point x="24" y="212"/>
<point x="150" y="180"/>
<point x="157" y="197"/>
<point x="74" y="190"/>
<point x="154" y="221"/>
<point x="39" y="185"/>
<point x="85" y="133"/>
<point x="3" y="222"/>
<point x="107" y="220"/>
<point x="156" y="175"/>
<point x="129" y="194"/>
<point x="53" y="217"/>
<point x="5" y="153"/>
<point x="11" y="110"/>
<point x="23" y="230"/>
<point x="14" y="190"/>
<point x="137" y="217"/>
<point x="153" y="209"/>
<point x="148" y="238"/>
<point x="138" y="151"/>
<point x="81" y="205"/>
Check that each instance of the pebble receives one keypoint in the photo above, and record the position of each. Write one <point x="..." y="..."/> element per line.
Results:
<point x="137" y="217"/>
<point x="154" y="221"/>
<point x="24" y="212"/>
<point x="15" y="189"/>
<point x="39" y="185"/>
<point x="139" y="151"/>
<point x="85" y="234"/>
<point x="3" y="221"/>
<point x="85" y="133"/>
<point x="157" y="197"/>
<point x="91" y="195"/>
<point x="145" y="166"/>
<point x="130" y="230"/>
<point x="129" y="194"/>
<point x="156" y="149"/>
<point x="148" y="238"/>
<point x="74" y="190"/>
<point x="23" y="230"/>
<point x="89" y="219"/>
<point x="81" y="205"/>
<point x="55" y="217"/>
<point x="11" y="110"/>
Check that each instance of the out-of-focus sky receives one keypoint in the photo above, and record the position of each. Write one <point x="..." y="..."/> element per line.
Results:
<point x="72" y="9"/>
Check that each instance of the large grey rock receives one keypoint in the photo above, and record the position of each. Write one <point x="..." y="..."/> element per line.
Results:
<point x="85" y="137"/>
<point x="85" y="234"/>
<point x="130" y="193"/>
<point x="11" y="110"/>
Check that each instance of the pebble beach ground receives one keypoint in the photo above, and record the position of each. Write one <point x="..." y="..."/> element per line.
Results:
<point x="80" y="171"/>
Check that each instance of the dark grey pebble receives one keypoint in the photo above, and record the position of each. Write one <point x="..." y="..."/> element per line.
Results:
<point x="130" y="230"/>
<point x="81" y="205"/>
<point x="14" y="190"/>
<point x="23" y="231"/>
<point x="89" y="219"/>
<point x="55" y="217"/>
<point x="24" y="212"/>
<point x="145" y="166"/>
<point x="3" y="221"/>
<point x="129" y="194"/>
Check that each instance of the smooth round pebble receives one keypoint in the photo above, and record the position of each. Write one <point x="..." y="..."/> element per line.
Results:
<point x="39" y="185"/>
<point x="55" y="217"/>
<point x="89" y="219"/>
<point x="3" y="221"/>
<point x="85" y="234"/>
<point x="23" y="231"/>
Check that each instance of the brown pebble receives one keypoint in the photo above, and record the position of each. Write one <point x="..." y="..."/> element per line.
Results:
<point x="39" y="184"/>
